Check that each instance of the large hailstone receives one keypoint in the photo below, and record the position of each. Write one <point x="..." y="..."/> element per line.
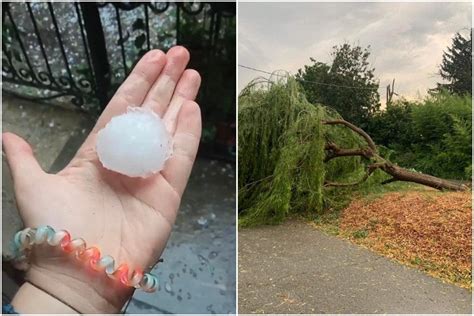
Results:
<point x="135" y="143"/>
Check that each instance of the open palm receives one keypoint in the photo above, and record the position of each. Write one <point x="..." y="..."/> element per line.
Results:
<point x="128" y="218"/>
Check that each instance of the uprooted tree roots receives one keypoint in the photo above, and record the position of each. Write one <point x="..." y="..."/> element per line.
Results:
<point x="287" y="155"/>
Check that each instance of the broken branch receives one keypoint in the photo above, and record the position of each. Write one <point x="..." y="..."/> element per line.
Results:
<point x="356" y="129"/>
<point x="397" y="173"/>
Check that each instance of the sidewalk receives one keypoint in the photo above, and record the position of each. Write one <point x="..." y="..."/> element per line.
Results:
<point x="198" y="273"/>
<point x="294" y="268"/>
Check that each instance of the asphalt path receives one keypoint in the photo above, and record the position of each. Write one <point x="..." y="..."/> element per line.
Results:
<point x="295" y="268"/>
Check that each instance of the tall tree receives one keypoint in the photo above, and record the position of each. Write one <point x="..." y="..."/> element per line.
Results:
<point x="347" y="84"/>
<point x="456" y="67"/>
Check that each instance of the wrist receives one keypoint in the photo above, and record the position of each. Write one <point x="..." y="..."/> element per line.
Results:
<point x="85" y="291"/>
<point x="30" y="299"/>
<point x="64" y="274"/>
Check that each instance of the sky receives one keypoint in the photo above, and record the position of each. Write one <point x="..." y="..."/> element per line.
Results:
<point x="407" y="39"/>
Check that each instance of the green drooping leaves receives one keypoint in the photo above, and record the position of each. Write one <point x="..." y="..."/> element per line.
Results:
<point x="281" y="153"/>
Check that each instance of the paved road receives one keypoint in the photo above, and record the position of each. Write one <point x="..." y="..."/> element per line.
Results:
<point x="198" y="273"/>
<point x="294" y="268"/>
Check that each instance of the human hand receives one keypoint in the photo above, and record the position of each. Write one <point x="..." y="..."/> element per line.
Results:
<point x="128" y="218"/>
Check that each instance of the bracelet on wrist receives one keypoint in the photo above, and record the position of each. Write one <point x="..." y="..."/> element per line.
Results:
<point x="25" y="239"/>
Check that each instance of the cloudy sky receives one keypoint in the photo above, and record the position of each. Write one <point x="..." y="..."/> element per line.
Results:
<point x="407" y="39"/>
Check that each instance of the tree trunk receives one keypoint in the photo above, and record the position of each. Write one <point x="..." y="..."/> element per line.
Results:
<point x="402" y="174"/>
<point x="370" y="153"/>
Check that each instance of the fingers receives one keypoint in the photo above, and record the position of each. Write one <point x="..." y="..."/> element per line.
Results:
<point x="23" y="165"/>
<point x="186" y="89"/>
<point x="134" y="89"/>
<point x="162" y="90"/>
<point x="186" y="143"/>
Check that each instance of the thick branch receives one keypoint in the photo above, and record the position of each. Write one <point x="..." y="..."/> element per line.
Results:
<point x="397" y="173"/>
<point x="402" y="174"/>
<point x="336" y="151"/>
<point x="356" y="129"/>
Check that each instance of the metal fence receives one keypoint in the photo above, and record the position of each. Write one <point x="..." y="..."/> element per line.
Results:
<point x="79" y="53"/>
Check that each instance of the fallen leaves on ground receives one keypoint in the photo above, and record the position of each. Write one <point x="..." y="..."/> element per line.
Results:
<point x="426" y="229"/>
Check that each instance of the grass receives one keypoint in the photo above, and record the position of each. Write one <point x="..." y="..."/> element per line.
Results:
<point x="361" y="233"/>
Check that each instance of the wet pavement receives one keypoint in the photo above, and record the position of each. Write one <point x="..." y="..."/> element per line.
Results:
<point x="295" y="268"/>
<point x="198" y="273"/>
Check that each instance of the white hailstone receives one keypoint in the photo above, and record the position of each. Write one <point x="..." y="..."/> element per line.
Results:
<point x="135" y="144"/>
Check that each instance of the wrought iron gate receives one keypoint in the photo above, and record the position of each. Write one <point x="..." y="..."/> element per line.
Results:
<point x="79" y="53"/>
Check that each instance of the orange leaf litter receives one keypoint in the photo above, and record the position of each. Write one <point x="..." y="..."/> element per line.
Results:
<point x="426" y="229"/>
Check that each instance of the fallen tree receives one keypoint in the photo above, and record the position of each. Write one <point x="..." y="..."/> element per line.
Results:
<point x="377" y="162"/>
<point x="295" y="156"/>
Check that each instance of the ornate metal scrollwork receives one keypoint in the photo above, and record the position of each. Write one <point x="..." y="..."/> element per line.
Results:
<point x="45" y="78"/>
<point x="27" y="74"/>
<point x="83" y="85"/>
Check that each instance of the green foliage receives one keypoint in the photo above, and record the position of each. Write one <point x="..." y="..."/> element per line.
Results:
<point x="214" y="57"/>
<point x="443" y="126"/>
<point x="456" y="66"/>
<point x="433" y="136"/>
<point x="393" y="126"/>
<point x="361" y="233"/>
<point x="281" y="154"/>
<point x="458" y="147"/>
<point x="350" y="67"/>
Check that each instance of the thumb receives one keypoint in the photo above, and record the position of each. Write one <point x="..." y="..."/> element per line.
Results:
<point x="23" y="165"/>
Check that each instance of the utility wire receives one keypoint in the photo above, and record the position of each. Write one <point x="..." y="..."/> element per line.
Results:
<point x="302" y="80"/>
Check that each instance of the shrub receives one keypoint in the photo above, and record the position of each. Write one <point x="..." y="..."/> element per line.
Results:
<point x="432" y="136"/>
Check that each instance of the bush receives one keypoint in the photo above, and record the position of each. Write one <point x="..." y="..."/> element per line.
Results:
<point x="433" y="136"/>
<point x="394" y="126"/>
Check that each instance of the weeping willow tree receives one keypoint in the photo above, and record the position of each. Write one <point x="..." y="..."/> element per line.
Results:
<point x="286" y="154"/>
<point x="282" y="151"/>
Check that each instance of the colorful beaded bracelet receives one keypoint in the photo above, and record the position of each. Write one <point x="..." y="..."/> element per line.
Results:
<point x="25" y="240"/>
